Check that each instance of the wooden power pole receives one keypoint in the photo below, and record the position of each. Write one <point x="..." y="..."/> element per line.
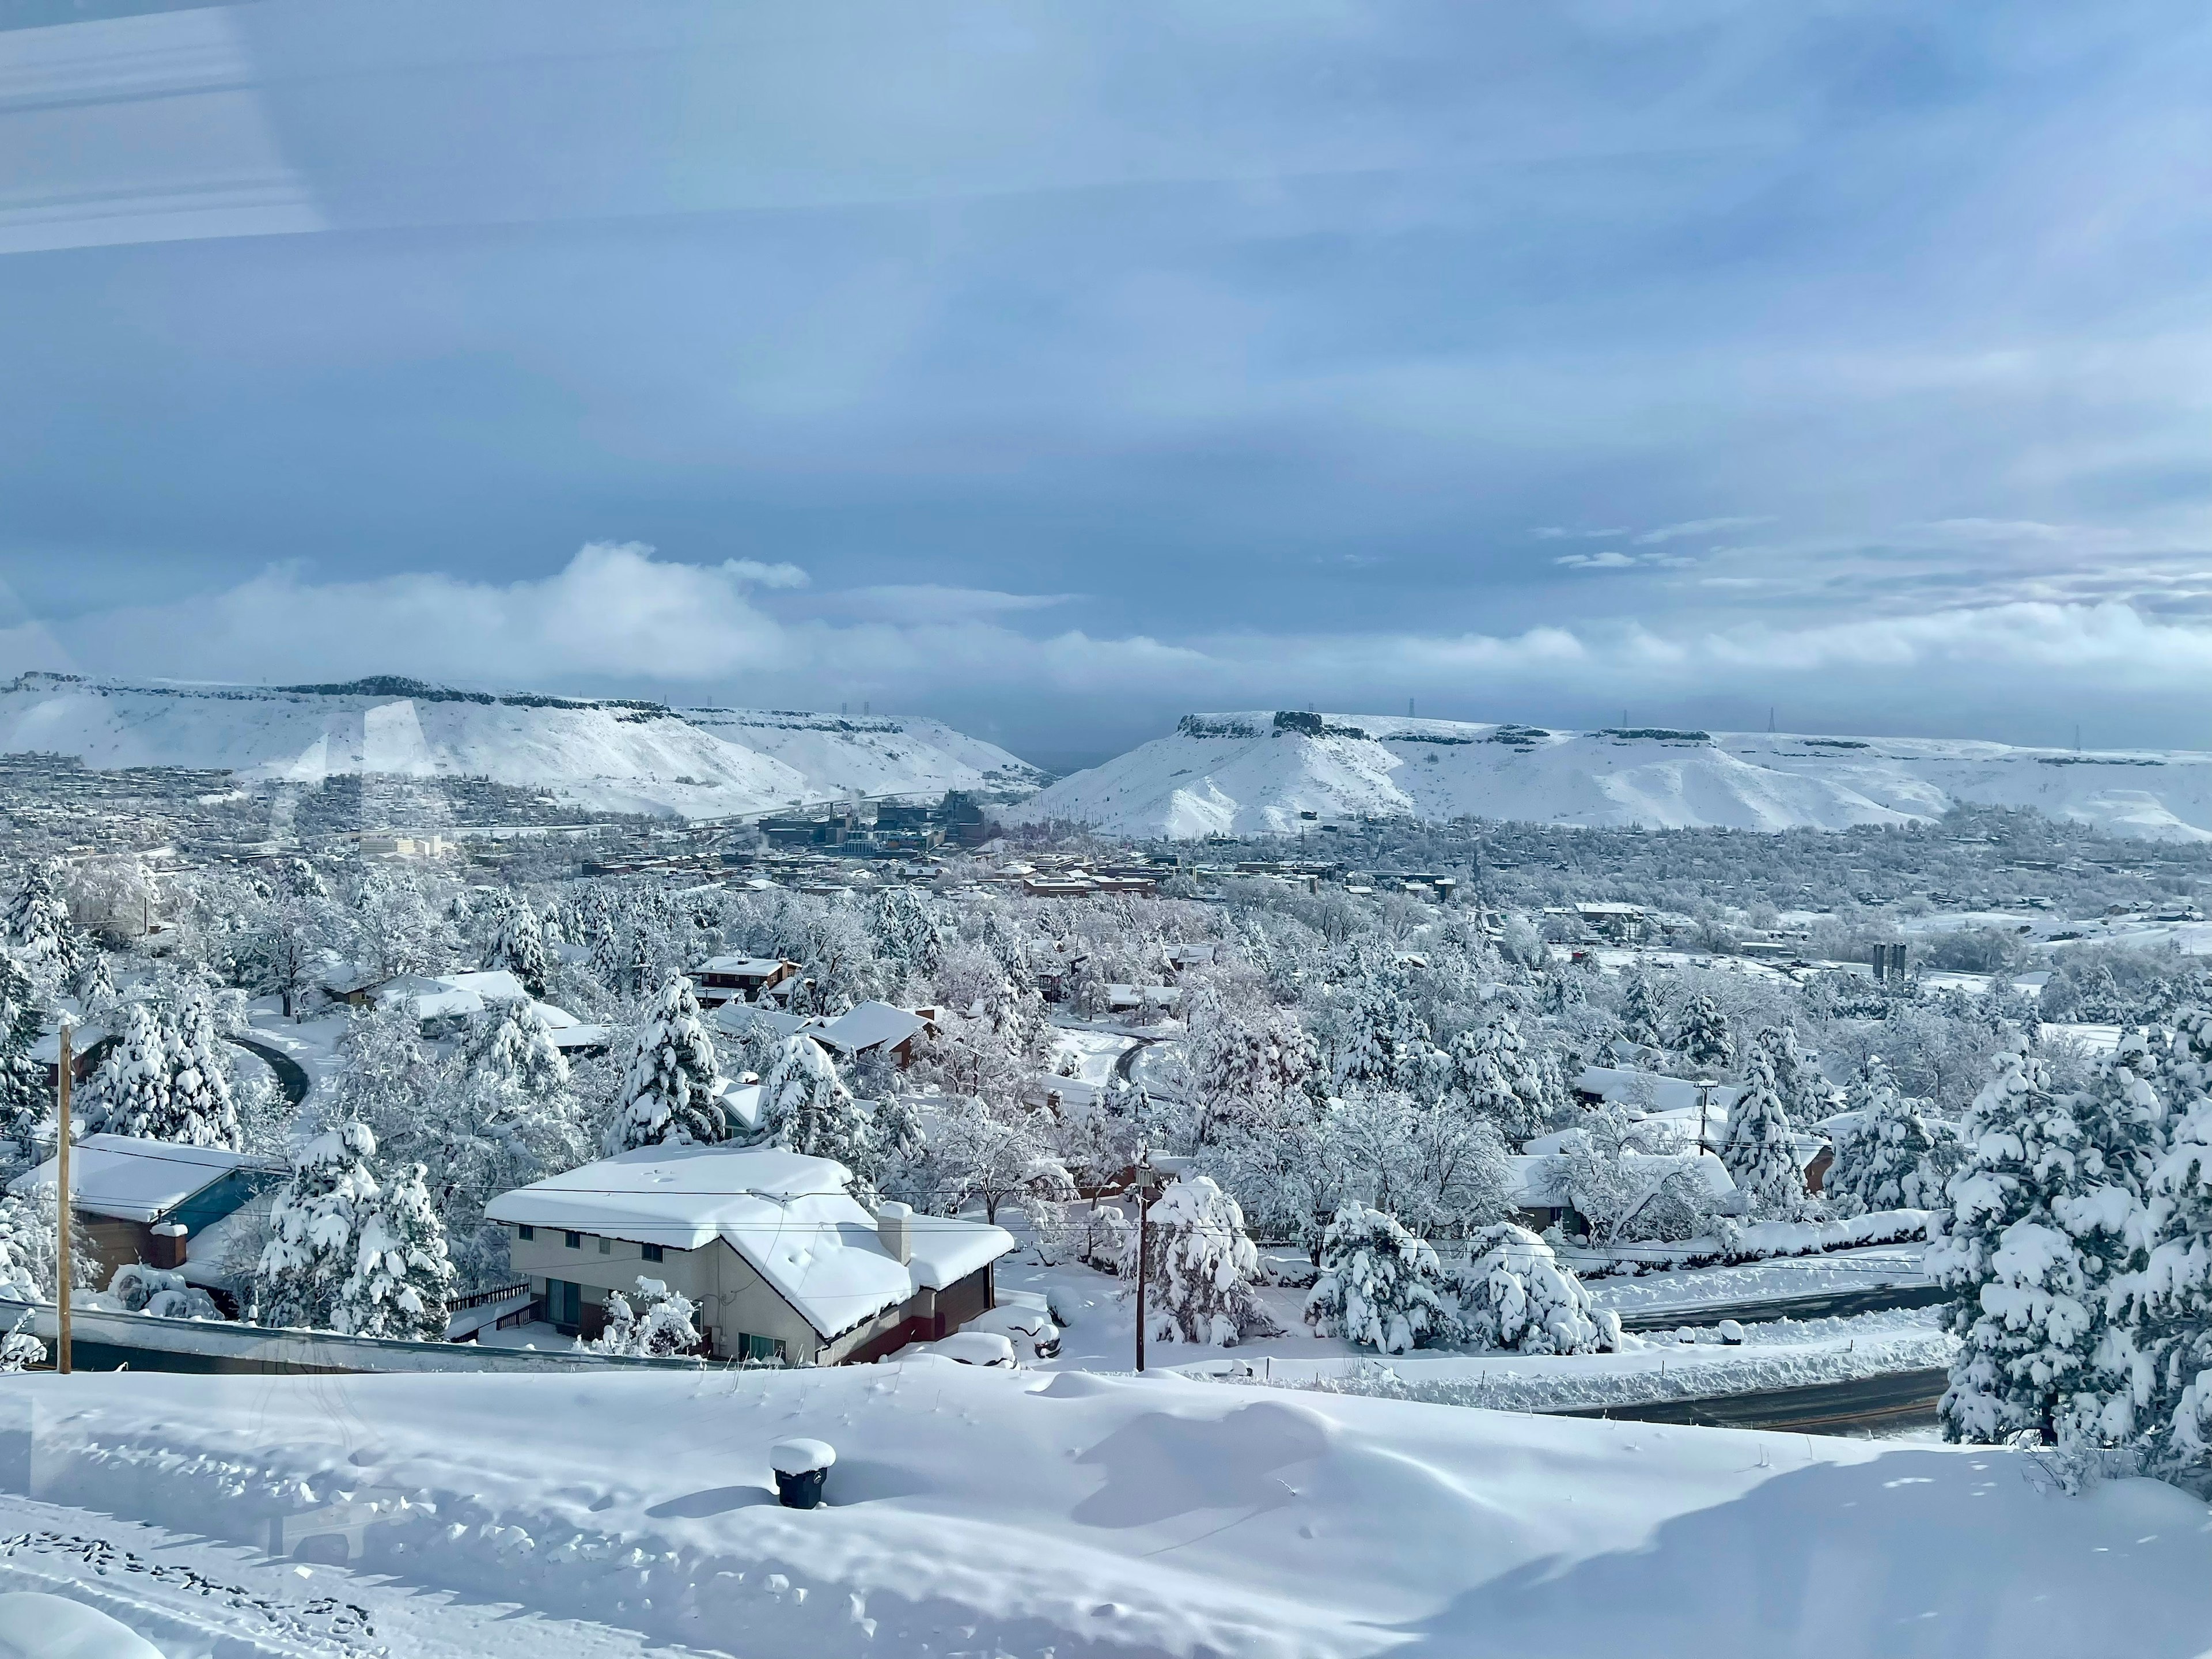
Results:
<point x="62" y="1197"/>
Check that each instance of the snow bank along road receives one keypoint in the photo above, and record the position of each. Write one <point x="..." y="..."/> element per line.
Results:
<point x="973" y="1512"/>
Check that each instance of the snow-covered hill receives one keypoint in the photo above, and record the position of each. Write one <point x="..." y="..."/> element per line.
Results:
<point x="607" y="755"/>
<point x="1256" y="772"/>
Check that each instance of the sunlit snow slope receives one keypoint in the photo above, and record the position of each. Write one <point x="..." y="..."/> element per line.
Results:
<point x="1256" y="772"/>
<point x="607" y="755"/>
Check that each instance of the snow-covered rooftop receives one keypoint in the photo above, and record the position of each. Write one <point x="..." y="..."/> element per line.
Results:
<point x="870" y="1025"/>
<point x="1624" y="1086"/>
<point x="743" y="966"/>
<point x="789" y="1216"/>
<point x="135" y="1180"/>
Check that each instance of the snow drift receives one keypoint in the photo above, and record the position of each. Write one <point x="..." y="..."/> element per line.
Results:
<point x="979" y="1511"/>
<point x="1259" y="774"/>
<point x="609" y="755"/>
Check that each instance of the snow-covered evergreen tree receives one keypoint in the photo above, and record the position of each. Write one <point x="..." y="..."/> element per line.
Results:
<point x="1514" y="1293"/>
<point x="24" y="1097"/>
<point x="1641" y="1020"/>
<point x="1805" y="1093"/>
<point x="1761" y="1151"/>
<point x="671" y="1086"/>
<point x="1703" y="1039"/>
<point x="400" y="1277"/>
<point x="1881" y="1157"/>
<point x="2105" y="1197"/>
<point x="1499" y="1075"/>
<point x="1201" y="1269"/>
<point x="906" y="933"/>
<point x="514" y="1049"/>
<point x="93" y="983"/>
<point x="38" y="918"/>
<point x="661" y="1326"/>
<point x="1243" y="1057"/>
<point x="807" y="1107"/>
<point x="1377" y="1039"/>
<point x="1379" y="1286"/>
<point x="2020" y="1290"/>
<point x="315" y="1227"/>
<point x="520" y="946"/>
<point x="129" y="1092"/>
<point x="200" y="1110"/>
<point x="507" y="1118"/>
<point x="2162" y="1338"/>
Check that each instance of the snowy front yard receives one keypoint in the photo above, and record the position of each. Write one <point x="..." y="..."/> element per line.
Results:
<point x="975" y="1511"/>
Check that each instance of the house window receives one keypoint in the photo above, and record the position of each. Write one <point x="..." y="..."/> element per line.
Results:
<point x="606" y="1247"/>
<point x="525" y="1231"/>
<point x="654" y="1253"/>
<point x="574" y="1241"/>
<point x="760" y="1350"/>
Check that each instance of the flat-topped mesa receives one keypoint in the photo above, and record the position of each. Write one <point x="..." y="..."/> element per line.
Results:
<point x="1290" y="771"/>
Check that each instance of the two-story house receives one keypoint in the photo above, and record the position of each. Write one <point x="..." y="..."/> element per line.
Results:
<point x="782" y="1261"/>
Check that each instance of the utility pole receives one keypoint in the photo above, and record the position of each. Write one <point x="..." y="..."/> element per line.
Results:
<point x="61" y="1195"/>
<point x="1705" y="1101"/>
<point x="1144" y="1208"/>
<point x="1147" y="1179"/>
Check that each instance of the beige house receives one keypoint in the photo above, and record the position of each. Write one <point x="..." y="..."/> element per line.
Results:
<point x="781" y="1260"/>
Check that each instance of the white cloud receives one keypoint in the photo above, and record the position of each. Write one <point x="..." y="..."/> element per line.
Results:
<point x="615" y="615"/>
<point x="764" y="575"/>
<point x="1673" y="533"/>
<point x="1608" y="560"/>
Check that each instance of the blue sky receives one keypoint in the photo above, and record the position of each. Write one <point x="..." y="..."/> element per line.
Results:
<point x="1057" y="369"/>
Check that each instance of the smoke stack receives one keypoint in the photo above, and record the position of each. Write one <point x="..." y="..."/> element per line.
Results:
<point x="167" y="1248"/>
<point x="895" y="1227"/>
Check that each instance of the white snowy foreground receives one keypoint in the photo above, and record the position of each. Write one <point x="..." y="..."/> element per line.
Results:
<point x="982" y="1512"/>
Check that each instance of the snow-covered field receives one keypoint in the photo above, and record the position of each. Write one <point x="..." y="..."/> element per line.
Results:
<point x="979" y="1512"/>
<point x="1241" y="774"/>
<point x="607" y="756"/>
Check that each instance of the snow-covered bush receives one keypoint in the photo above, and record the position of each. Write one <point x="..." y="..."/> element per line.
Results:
<point x="661" y="1325"/>
<point x="28" y="1257"/>
<point x="20" y="1350"/>
<point x="1630" y="1181"/>
<point x="160" y="1291"/>
<point x="1379" y="1286"/>
<point x="1514" y="1293"/>
<point x="1199" y="1268"/>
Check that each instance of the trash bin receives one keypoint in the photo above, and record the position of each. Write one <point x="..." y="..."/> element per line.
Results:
<point x="801" y="1467"/>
